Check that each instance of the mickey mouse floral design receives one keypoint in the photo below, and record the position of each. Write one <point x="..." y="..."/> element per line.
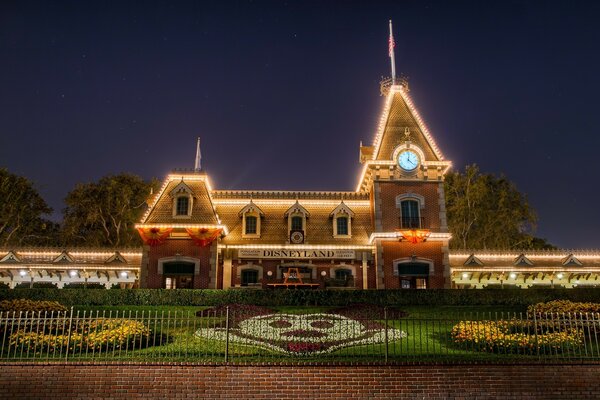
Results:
<point x="303" y="334"/>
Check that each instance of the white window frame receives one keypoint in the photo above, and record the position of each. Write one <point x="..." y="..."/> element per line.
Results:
<point x="342" y="210"/>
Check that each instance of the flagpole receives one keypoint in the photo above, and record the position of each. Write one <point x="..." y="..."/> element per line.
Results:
<point x="392" y="44"/>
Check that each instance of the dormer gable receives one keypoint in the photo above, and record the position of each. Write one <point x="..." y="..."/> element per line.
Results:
<point x="522" y="260"/>
<point x="251" y="208"/>
<point x="342" y="221"/>
<point x="251" y="220"/>
<point x="116" y="258"/>
<point x="342" y="208"/>
<point x="570" y="261"/>
<point x="11" y="258"/>
<point x="297" y="208"/>
<point x="181" y="188"/>
<point x="63" y="258"/>
<point x="472" y="260"/>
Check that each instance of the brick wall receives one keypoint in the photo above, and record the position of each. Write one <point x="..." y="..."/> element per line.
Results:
<point x="390" y="213"/>
<point x="429" y="250"/>
<point x="186" y="248"/>
<point x="307" y="382"/>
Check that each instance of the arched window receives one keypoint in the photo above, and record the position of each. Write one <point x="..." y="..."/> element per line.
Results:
<point x="182" y="205"/>
<point x="410" y="218"/>
<point x="251" y="217"/>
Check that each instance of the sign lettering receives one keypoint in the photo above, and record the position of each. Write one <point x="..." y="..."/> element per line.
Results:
<point x="296" y="254"/>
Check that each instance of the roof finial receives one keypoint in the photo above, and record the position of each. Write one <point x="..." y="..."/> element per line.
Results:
<point x="391" y="45"/>
<point x="197" y="164"/>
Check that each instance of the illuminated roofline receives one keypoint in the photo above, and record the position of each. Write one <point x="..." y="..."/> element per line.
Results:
<point x="241" y="202"/>
<point x="184" y="177"/>
<point x="383" y="123"/>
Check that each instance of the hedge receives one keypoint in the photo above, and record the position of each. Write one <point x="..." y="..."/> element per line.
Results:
<point x="210" y="297"/>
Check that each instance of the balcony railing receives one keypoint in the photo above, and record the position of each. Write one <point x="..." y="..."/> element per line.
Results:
<point x="413" y="223"/>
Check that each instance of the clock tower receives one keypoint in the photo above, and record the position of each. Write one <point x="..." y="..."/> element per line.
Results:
<point x="403" y="172"/>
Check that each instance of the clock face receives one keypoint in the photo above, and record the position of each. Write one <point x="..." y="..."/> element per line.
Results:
<point x="408" y="160"/>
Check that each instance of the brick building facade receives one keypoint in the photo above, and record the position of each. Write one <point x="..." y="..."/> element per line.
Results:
<point x="390" y="232"/>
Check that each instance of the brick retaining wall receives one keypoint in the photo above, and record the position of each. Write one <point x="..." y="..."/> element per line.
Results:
<point x="305" y="382"/>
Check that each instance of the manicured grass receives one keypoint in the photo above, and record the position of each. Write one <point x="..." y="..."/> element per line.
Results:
<point x="173" y="337"/>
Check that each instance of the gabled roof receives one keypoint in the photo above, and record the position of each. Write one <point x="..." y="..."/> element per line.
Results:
<point x="116" y="258"/>
<point x="11" y="258"/>
<point x="522" y="260"/>
<point x="571" y="260"/>
<point x="400" y="114"/>
<point x="203" y="211"/>
<point x="297" y="208"/>
<point x="342" y="208"/>
<point x="472" y="260"/>
<point x="182" y="187"/>
<point x="63" y="257"/>
<point x="251" y="207"/>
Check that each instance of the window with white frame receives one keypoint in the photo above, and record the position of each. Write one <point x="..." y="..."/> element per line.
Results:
<point x="297" y="216"/>
<point x="342" y="220"/>
<point x="182" y="205"/>
<point x="251" y="218"/>
<point x="182" y="200"/>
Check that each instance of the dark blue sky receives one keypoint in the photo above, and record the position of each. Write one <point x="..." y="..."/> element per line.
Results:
<point x="281" y="93"/>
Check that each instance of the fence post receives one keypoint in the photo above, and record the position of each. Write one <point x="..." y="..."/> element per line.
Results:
<point x="537" y="344"/>
<point x="226" y="334"/>
<point x="69" y="337"/>
<point x="387" y="347"/>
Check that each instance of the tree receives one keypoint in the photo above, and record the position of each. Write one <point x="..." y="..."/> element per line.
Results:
<point x="21" y="213"/>
<point x="104" y="213"/>
<point x="488" y="212"/>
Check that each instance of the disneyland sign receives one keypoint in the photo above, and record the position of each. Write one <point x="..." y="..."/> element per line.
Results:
<point x="296" y="254"/>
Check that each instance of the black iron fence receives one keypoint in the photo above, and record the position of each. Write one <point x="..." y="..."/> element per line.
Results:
<point x="241" y="336"/>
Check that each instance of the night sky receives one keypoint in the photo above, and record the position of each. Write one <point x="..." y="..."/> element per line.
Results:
<point x="281" y="93"/>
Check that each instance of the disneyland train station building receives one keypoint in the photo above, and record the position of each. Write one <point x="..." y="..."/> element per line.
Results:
<point x="389" y="233"/>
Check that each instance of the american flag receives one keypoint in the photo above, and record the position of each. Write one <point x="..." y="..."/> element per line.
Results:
<point x="391" y="44"/>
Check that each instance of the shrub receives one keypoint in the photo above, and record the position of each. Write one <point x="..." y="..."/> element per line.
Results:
<point x="26" y="305"/>
<point x="563" y="306"/>
<point x="274" y="298"/>
<point x="36" y="285"/>
<point x="514" y="336"/>
<point x="78" y="285"/>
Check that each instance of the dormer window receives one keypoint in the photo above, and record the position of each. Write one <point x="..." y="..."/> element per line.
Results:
<point x="250" y="225"/>
<point x="342" y="220"/>
<point x="342" y="226"/>
<point x="183" y="205"/>
<point x="182" y="200"/>
<point x="297" y="223"/>
<point x="297" y="216"/>
<point x="251" y="215"/>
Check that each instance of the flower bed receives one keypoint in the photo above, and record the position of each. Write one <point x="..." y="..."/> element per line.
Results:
<point x="515" y="336"/>
<point x="302" y="334"/>
<point x="36" y="306"/>
<point x="560" y="307"/>
<point x="98" y="335"/>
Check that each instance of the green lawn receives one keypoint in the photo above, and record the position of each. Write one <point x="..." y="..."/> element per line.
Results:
<point x="173" y="337"/>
